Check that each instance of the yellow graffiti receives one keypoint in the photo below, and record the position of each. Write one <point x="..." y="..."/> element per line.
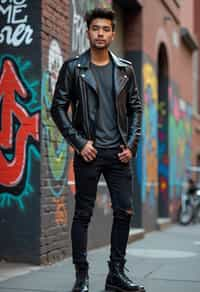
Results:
<point x="150" y="120"/>
<point x="150" y="79"/>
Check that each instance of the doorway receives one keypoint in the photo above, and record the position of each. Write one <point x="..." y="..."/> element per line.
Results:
<point x="163" y="154"/>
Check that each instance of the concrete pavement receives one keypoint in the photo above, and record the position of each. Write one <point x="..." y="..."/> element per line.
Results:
<point x="162" y="261"/>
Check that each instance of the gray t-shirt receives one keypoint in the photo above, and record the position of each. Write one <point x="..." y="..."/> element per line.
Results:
<point x="107" y="133"/>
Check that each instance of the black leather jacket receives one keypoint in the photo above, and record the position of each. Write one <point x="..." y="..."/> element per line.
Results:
<point x="77" y="87"/>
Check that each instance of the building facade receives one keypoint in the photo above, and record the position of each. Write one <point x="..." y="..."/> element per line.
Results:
<point x="196" y="97"/>
<point x="36" y="164"/>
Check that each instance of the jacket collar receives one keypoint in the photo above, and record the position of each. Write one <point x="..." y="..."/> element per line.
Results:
<point x="119" y="78"/>
<point x="84" y="60"/>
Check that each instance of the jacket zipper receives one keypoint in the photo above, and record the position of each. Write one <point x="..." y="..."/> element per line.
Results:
<point x="86" y="109"/>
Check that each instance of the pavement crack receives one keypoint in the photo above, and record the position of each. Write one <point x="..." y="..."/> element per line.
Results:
<point x="154" y="270"/>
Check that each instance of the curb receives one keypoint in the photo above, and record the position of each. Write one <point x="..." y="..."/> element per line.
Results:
<point x="136" y="234"/>
<point x="163" y="223"/>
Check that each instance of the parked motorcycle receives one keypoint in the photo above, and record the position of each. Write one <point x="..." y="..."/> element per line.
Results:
<point x="190" y="198"/>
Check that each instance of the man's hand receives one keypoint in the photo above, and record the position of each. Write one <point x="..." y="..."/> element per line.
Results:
<point x="126" y="154"/>
<point x="88" y="152"/>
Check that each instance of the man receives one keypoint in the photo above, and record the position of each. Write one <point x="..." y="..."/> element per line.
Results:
<point x="104" y="130"/>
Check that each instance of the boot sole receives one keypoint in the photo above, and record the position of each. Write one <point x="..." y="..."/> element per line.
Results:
<point x="111" y="288"/>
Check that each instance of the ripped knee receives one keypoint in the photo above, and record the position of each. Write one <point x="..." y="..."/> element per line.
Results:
<point x="123" y="214"/>
<point x="129" y="211"/>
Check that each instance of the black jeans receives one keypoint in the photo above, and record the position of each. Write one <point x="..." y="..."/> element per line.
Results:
<point x="119" y="181"/>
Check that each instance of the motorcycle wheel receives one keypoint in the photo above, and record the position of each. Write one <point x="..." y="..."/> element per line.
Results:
<point x="185" y="217"/>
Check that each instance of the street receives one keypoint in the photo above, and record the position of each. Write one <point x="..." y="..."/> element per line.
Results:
<point x="163" y="261"/>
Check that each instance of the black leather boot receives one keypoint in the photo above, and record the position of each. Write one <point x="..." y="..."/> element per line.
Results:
<point x="117" y="280"/>
<point x="82" y="280"/>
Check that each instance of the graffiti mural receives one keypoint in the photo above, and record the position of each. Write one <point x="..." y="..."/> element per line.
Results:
<point x="16" y="29"/>
<point x="55" y="145"/>
<point x="180" y="141"/>
<point x="20" y="116"/>
<point x="79" y="38"/>
<point x="173" y="159"/>
<point x="150" y="119"/>
<point x="54" y="142"/>
<point x="19" y="131"/>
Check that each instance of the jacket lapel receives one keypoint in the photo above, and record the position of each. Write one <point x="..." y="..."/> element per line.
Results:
<point x="88" y="77"/>
<point x="86" y="73"/>
<point x="120" y="78"/>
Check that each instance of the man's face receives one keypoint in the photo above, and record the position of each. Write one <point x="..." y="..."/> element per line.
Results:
<point x="100" y="33"/>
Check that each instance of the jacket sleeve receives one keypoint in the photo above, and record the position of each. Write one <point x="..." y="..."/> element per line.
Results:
<point x="59" y="109"/>
<point x="134" y="111"/>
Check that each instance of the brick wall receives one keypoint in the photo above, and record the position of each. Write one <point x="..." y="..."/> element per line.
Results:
<point x="54" y="243"/>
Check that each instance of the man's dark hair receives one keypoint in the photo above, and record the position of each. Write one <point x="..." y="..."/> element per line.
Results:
<point x="100" y="13"/>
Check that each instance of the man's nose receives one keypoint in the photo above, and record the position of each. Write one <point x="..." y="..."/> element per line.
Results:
<point x="100" y="31"/>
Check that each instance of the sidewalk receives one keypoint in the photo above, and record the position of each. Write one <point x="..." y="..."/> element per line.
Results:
<point x="162" y="261"/>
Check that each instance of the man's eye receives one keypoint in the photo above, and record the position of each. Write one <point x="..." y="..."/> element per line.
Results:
<point x="106" y="29"/>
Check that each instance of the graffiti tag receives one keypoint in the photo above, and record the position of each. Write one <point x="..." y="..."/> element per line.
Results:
<point x="79" y="38"/>
<point x="16" y="30"/>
